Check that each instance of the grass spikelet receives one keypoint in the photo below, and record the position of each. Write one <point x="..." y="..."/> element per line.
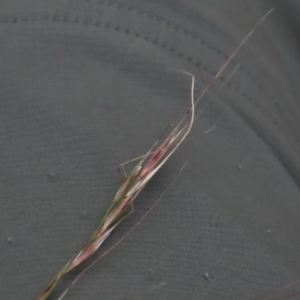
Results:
<point x="148" y="165"/>
<point x="122" y="203"/>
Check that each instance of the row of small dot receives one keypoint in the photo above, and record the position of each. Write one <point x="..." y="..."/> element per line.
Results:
<point x="57" y="18"/>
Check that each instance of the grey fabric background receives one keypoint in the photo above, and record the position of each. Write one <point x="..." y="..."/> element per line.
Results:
<point x="84" y="86"/>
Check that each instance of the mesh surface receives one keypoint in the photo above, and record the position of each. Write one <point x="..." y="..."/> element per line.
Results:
<point x="84" y="87"/>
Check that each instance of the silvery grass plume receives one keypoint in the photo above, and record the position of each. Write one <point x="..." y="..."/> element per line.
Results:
<point x="148" y="165"/>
